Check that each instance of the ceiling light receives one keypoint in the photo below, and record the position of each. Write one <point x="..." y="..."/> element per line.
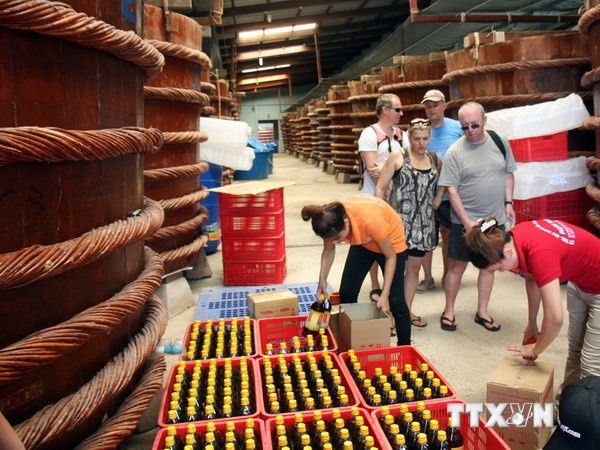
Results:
<point x="262" y="69"/>
<point x="260" y="61"/>
<point x="245" y="56"/>
<point x="266" y="79"/>
<point x="269" y="18"/>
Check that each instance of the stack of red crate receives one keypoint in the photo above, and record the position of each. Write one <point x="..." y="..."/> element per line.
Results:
<point x="570" y="206"/>
<point x="253" y="238"/>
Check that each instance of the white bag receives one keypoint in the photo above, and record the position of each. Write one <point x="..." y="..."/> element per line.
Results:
<point x="536" y="179"/>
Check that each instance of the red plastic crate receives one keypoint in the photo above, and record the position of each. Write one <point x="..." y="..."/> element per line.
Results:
<point x="241" y="204"/>
<point x="580" y="221"/>
<point x="188" y="332"/>
<point x="480" y="438"/>
<point x="282" y="329"/>
<point x="254" y="399"/>
<point x="327" y="415"/>
<point x="253" y="248"/>
<point x="352" y="399"/>
<point x="552" y="147"/>
<point x="555" y="206"/>
<point x="265" y="224"/>
<point x="240" y="426"/>
<point x="254" y="273"/>
<point x="386" y="357"/>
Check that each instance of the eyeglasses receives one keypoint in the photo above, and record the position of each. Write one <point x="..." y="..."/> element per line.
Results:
<point x="398" y="110"/>
<point x="417" y="122"/>
<point x="473" y="126"/>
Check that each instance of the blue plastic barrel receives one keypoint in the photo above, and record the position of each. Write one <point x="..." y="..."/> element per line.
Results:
<point x="260" y="167"/>
<point x="212" y="228"/>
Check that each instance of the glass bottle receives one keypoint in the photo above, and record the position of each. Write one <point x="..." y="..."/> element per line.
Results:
<point x="432" y="434"/>
<point x="318" y="316"/>
<point x="172" y="431"/>
<point x="400" y="442"/>
<point x="422" y="442"/>
<point x="170" y="443"/>
<point x="411" y="437"/>
<point x="441" y="442"/>
<point x="454" y="436"/>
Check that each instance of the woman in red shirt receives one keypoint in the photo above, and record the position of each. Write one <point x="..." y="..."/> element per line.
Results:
<point x="549" y="252"/>
<point x="376" y="234"/>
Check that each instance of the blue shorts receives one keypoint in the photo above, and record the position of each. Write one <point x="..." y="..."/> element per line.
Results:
<point x="457" y="247"/>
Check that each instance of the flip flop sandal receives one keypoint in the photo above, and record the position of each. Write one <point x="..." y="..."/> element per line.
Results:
<point x="418" y="322"/>
<point x="485" y="322"/>
<point x="374" y="292"/>
<point x="445" y="326"/>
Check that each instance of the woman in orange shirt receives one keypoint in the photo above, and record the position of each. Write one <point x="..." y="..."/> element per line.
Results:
<point x="376" y="234"/>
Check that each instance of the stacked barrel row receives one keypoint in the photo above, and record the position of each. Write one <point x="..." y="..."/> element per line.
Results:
<point x="79" y="318"/>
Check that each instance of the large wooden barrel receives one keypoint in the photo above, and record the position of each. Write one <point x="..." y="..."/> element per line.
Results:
<point x="410" y="78"/>
<point x="521" y="71"/>
<point x="76" y="285"/>
<point x="324" y="128"/>
<point x="173" y="103"/>
<point x="343" y="145"/>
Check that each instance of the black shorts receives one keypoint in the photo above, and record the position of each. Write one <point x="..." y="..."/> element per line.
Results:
<point x="416" y="253"/>
<point x="443" y="214"/>
<point x="457" y="247"/>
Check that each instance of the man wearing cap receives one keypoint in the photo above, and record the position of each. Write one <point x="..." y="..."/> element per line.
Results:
<point x="578" y="417"/>
<point x="444" y="132"/>
<point x="478" y="176"/>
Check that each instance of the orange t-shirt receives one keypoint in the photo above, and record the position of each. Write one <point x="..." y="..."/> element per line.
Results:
<point x="372" y="220"/>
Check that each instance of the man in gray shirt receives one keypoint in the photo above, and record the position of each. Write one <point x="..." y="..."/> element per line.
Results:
<point x="479" y="179"/>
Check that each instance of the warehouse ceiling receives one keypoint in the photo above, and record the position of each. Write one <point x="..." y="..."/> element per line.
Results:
<point x="352" y="37"/>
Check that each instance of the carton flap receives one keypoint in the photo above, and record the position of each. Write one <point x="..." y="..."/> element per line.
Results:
<point x="251" y="187"/>
<point x="517" y="373"/>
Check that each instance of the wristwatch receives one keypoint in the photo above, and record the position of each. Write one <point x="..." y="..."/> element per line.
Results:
<point x="508" y="202"/>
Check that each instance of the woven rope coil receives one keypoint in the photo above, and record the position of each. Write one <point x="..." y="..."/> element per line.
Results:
<point x="593" y="217"/>
<point x="588" y="18"/>
<point x="184" y="251"/>
<point x="116" y="429"/>
<point x="184" y="137"/>
<point x="593" y="163"/>
<point x="593" y="191"/>
<point x="38" y="262"/>
<point x="209" y="111"/>
<point x="590" y="77"/>
<point x="182" y="52"/>
<point x="412" y="85"/>
<point x="517" y="65"/>
<point x="337" y="102"/>
<point x="35" y="144"/>
<point x="515" y="99"/>
<point x="355" y="98"/>
<point x="48" y="344"/>
<point x="192" y="225"/>
<point x="170" y="173"/>
<point x="207" y="87"/>
<point x="591" y="123"/>
<point x="366" y="115"/>
<point x="175" y="95"/>
<point x="61" y="21"/>
<point x="170" y="204"/>
<point x="73" y="410"/>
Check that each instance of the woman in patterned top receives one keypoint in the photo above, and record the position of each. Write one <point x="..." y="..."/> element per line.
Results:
<point x="413" y="173"/>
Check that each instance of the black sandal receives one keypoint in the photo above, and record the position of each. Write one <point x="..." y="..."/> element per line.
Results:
<point x="445" y="326"/>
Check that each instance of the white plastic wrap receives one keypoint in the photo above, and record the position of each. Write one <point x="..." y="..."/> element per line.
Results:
<point x="226" y="145"/>
<point x="536" y="179"/>
<point x="538" y="120"/>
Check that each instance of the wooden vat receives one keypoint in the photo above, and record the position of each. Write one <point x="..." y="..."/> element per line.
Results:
<point x="50" y="203"/>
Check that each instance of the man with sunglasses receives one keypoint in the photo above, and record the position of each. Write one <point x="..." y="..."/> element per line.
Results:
<point x="478" y="177"/>
<point x="375" y="144"/>
<point x="444" y="132"/>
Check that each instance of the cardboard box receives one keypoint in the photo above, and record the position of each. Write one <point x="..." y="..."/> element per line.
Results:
<point x="362" y="326"/>
<point x="280" y="303"/>
<point x="522" y="383"/>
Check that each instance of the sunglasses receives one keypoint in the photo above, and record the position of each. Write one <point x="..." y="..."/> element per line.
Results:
<point x="416" y="122"/>
<point x="473" y="126"/>
<point x="398" y="110"/>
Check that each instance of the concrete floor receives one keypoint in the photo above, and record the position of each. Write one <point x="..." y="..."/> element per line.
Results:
<point x="466" y="357"/>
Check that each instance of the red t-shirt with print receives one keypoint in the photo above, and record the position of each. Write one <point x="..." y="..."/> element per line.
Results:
<point x="550" y="249"/>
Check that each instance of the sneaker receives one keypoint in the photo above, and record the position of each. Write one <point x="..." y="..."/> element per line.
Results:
<point x="425" y="286"/>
